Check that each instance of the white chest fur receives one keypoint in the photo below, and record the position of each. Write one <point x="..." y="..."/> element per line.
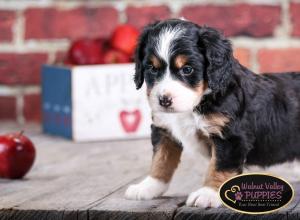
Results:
<point x="184" y="127"/>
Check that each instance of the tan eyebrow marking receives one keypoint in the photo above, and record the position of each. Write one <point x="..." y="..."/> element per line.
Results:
<point x="180" y="61"/>
<point x="155" y="62"/>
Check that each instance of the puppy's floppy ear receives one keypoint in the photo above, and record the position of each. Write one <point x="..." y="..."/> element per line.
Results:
<point x="139" y="55"/>
<point x="219" y="57"/>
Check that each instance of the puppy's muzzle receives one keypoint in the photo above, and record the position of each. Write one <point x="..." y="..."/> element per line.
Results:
<point x="165" y="101"/>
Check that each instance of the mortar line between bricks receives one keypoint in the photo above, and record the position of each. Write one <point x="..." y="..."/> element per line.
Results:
<point x="286" y="18"/>
<point x="254" y="64"/>
<point x="13" y="89"/>
<point x="121" y="8"/>
<point x="52" y="56"/>
<point x="37" y="46"/>
<point x="18" y="30"/>
<point x="271" y="43"/>
<point x="20" y="107"/>
<point x="52" y="46"/>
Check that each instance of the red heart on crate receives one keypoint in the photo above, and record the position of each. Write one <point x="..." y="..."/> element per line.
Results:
<point x="130" y="120"/>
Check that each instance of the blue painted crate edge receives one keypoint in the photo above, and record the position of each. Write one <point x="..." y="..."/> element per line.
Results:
<point x="57" y="100"/>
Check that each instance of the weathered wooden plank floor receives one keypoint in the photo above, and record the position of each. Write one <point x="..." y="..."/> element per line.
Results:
<point x="87" y="181"/>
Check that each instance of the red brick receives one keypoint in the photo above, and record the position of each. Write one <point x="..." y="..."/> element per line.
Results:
<point x="239" y="19"/>
<point x="7" y="19"/>
<point x="279" y="60"/>
<point x="32" y="107"/>
<point x="8" y="107"/>
<point x="243" y="55"/>
<point x="295" y="17"/>
<point x="21" y="68"/>
<point x="51" y="23"/>
<point x="140" y="16"/>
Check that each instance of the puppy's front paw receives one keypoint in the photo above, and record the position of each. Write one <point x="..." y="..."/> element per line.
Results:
<point x="149" y="188"/>
<point x="204" y="197"/>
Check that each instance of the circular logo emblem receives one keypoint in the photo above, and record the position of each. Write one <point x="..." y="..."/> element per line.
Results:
<point x="256" y="193"/>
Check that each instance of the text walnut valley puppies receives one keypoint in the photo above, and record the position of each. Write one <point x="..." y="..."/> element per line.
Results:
<point x="256" y="193"/>
<point x="201" y="97"/>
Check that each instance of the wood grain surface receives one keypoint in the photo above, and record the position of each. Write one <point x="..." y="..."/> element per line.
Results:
<point x="87" y="181"/>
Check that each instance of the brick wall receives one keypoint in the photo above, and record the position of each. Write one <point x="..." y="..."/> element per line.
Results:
<point x="265" y="34"/>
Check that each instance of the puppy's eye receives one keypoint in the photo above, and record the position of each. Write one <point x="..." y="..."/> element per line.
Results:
<point x="149" y="66"/>
<point x="186" y="70"/>
<point x="152" y="68"/>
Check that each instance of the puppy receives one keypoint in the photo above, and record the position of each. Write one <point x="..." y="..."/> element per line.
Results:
<point x="201" y="97"/>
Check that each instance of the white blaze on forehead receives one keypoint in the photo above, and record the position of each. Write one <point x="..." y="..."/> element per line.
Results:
<point x="166" y="36"/>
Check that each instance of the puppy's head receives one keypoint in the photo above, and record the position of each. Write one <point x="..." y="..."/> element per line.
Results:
<point x="180" y="62"/>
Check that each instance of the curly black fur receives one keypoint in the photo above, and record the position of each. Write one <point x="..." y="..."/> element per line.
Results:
<point x="264" y="109"/>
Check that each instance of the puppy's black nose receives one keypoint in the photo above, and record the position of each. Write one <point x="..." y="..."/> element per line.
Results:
<point x="165" y="101"/>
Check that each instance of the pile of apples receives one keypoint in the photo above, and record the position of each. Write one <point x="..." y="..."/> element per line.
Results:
<point x="119" y="48"/>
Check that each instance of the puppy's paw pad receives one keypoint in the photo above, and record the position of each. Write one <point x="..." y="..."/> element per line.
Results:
<point x="204" y="197"/>
<point x="149" y="188"/>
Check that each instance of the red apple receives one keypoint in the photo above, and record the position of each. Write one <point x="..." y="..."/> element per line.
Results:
<point x="124" y="38"/>
<point x="115" y="56"/>
<point x="17" y="155"/>
<point x="86" y="51"/>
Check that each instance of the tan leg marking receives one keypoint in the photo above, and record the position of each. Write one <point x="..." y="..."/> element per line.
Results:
<point x="165" y="160"/>
<point x="215" y="178"/>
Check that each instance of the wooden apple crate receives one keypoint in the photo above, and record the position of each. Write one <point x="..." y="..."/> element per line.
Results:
<point x="94" y="102"/>
<point x="87" y="181"/>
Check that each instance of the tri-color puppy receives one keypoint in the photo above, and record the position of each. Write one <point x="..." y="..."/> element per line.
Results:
<point x="201" y="97"/>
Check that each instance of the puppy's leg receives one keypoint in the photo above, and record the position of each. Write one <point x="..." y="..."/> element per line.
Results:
<point x="166" y="157"/>
<point x="218" y="172"/>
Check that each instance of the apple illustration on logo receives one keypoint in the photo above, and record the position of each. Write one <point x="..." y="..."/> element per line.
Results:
<point x="17" y="155"/>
